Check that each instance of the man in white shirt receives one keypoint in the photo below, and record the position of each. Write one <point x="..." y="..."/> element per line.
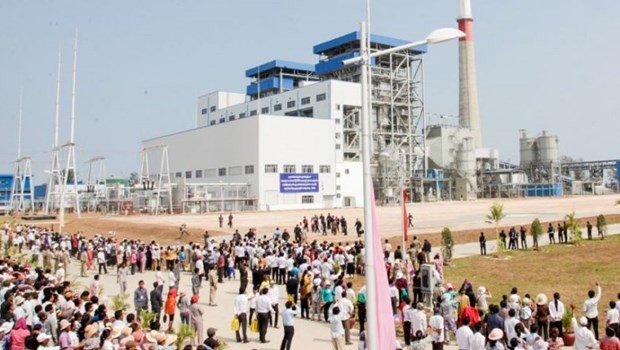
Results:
<point x="613" y="317"/>
<point x="346" y="311"/>
<point x="590" y="307"/>
<point x="336" y="329"/>
<point x="464" y="335"/>
<point x="556" y="312"/>
<point x="476" y="342"/>
<point x="288" y="320"/>
<point x="418" y="320"/>
<point x="584" y="339"/>
<point x="241" y="313"/>
<point x="263" y="309"/>
<point x="509" y="325"/>
<point x="274" y="296"/>
<point x="436" y="325"/>
<point x="408" y="311"/>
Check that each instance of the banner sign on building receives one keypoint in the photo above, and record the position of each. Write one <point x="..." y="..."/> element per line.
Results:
<point x="299" y="183"/>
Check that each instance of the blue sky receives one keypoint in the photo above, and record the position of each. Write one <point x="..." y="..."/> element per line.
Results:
<point x="141" y="65"/>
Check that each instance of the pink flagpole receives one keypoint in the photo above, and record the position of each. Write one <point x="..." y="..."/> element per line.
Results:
<point x="385" y="319"/>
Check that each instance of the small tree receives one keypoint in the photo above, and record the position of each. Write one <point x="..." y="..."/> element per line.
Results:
<point x="495" y="217"/>
<point x="184" y="333"/>
<point x="572" y="224"/>
<point x="537" y="230"/>
<point x="146" y="317"/>
<point x="601" y="225"/>
<point x="119" y="302"/>
<point x="447" y="244"/>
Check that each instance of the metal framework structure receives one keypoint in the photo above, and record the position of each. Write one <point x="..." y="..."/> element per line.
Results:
<point x="397" y="111"/>
<point x="157" y="186"/>
<point x="19" y="192"/>
<point x="97" y="186"/>
<point x="594" y="168"/>
<point x="52" y="195"/>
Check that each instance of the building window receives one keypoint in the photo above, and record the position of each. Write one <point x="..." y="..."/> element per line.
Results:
<point x="346" y="171"/>
<point x="221" y="172"/>
<point x="271" y="168"/>
<point x="264" y="110"/>
<point x="324" y="169"/>
<point x="321" y="97"/>
<point x="337" y="135"/>
<point x="210" y="172"/>
<point x="290" y="104"/>
<point x="178" y="175"/>
<point x="249" y="169"/>
<point x="288" y="168"/>
<point x="234" y="170"/>
<point x="231" y="118"/>
<point x="305" y="100"/>
<point x="222" y="120"/>
<point x="337" y="121"/>
<point x="337" y="175"/>
<point x="241" y="115"/>
<point x="188" y="174"/>
<point x="307" y="199"/>
<point x="212" y="122"/>
<point x="203" y="111"/>
<point x="277" y="107"/>
<point x="337" y="146"/>
<point x="213" y="108"/>
<point x="337" y="107"/>
<point x="307" y="169"/>
<point x="337" y="187"/>
<point x="252" y="113"/>
<point x="198" y="174"/>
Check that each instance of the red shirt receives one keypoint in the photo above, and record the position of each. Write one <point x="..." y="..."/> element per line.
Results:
<point x="608" y="343"/>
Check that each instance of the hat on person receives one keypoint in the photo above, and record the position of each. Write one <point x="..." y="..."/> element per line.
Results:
<point x="19" y="300"/>
<point x="165" y="339"/>
<point x="181" y="293"/>
<point x="541" y="299"/>
<point x="127" y="331"/>
<point x="399" y="275"/>
<point x="64" y="324"/>
<point x="316" y="281"/>
<point x="90" y="330"/>
<point x="496" y="334"/>
<point x="43" y="337"/>
<point x="420" y="306"/>
<point x="583" y="321"/>
<point x="6" y="327"/>
<point x="131" y="344"/>
<point x="211" y="332"/>
<point x="526" y="301"/>
<point x="194" y="298"/>
<point x="449" y="286"/>
<point x="482" y="290"/>
<point x="60" y="264"/>
<point x="116" y="331"/>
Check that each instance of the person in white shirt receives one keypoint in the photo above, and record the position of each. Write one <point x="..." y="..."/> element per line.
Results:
<point x="336" y="329"/>
<point x="408" y="311"/>
<point x="476" y="342"/>
<point x="346" y="311"/>
<point x="463" y="335"/>
<point x="263" y="309"/>
<point x="510" y="323"/>
<point x="584" y="339"/>
<point x="590" y="307"/>
<point x="435" y="324"/>
<point x="556" y="312"/>
<point x="274" y="296"/>
<point x="418" y="320"/>
<point x="613" y="317"/>
<point x="241" y="313"/>
<point x="288" y="320"/>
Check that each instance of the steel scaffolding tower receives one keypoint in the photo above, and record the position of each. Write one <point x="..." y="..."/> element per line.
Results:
<point x="159" y="185"/>
<point x="52" y="195"/>
<point x="397" y="111"/>
<point x="96" y="192"/>
<point x="22" y="175"/>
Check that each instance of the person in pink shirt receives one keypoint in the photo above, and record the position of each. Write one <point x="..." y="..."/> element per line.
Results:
<point x="19" y="334"/>
<point x="610" y="342"/>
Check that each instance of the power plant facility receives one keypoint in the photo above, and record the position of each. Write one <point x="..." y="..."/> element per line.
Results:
<point x="293" y="140"/>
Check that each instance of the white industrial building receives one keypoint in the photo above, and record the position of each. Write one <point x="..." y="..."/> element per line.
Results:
<point x="268" y="160"/>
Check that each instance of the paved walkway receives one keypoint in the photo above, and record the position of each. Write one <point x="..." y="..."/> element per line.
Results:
<point x="307" y="333"/>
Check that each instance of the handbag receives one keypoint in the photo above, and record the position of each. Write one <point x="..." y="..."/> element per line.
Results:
<point x="234" y="324"/>
<point x="254" y="326"/>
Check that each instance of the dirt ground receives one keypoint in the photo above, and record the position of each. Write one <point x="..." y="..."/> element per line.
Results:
<point x="465" y="219"/>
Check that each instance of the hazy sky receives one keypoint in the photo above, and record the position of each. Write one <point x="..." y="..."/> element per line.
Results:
<point x="549" y="64"/>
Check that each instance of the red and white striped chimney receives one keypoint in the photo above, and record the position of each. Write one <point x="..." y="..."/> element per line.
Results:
<point x="469" y="114"/>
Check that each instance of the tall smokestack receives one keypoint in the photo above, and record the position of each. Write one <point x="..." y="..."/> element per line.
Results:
<point x="469" y="114"/>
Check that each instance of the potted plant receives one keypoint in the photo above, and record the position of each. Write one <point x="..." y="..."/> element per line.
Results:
<point x="568" y="336"/>
<point x="495" y="217"/>
<point x="447" y="244"/>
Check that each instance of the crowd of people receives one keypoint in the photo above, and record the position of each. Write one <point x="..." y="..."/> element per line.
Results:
<point x="42" y="308"/>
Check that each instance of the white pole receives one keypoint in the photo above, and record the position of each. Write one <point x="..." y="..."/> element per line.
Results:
<point x="372" y="332"/>
<point x="404" y="220"/>
<point x="57" y="123"/>
<point x="72" y="139"/>
<point x="19" y="124"/>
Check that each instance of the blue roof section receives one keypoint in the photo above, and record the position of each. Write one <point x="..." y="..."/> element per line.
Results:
<point x="278" y="64"/>
<point x="335" y="63"/>
<point x="355" y="36"/>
